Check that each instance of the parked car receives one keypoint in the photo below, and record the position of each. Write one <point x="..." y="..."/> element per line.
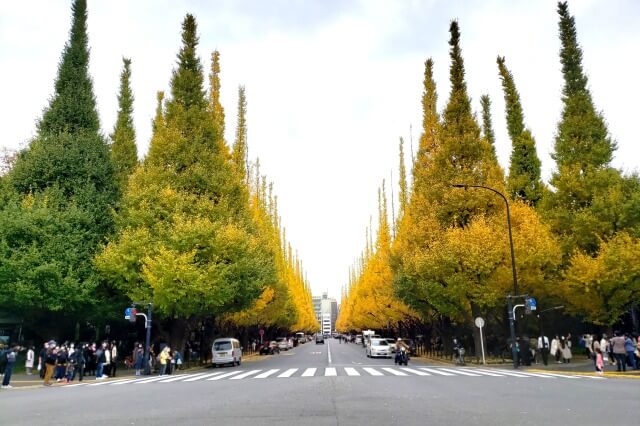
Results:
<point x="269" y="348"/>
<point x="358" y="339"/>
<point x="378" y="347"/>
<point x="301" y="337"/>
<point x="283" y="343"/>
<point x="319" y="339"/>
<point x="226" y="350"/>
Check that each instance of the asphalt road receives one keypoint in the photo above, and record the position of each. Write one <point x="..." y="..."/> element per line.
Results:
<point x="331" y="384"/>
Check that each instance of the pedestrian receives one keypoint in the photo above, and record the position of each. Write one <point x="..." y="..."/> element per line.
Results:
<point x="50" y="362"/>
<point x="543" y="347"/>
<point x="100" y="360"/>
<point x="599" y="359"/>
<point x="80" y="362"/>
<point x="114" y="358"/>
<point x="619" y="352"/>
<point x="107" y="362"/>
<point x="565" y="349"/>
<point x="10" y="356"/>
<point x="3" y="358"/>
<point x="555" y="349"/>
<point x="177" y="357"/>
<point x="28" y="364"/>
<point x="630" y="348"/>
<point x="138" y="359"/>
<point x="61" y="363"/>
<point x="164" y="360"/>
<point x="42" y="355"/>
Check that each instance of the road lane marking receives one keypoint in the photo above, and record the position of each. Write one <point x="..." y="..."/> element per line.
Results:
<point x="225" y="375"/>
<point x="288" y="373"/>
<point x="416" y="372"/>
<point x="434" y="371"/>
<point x="372" y="371"/>
<point x="247" y="374"/>
<point x="330" y="372"/>
<point x="485" y="372"/>
<point x="309" y="372"/>
<point x="458" y="371"/>
<point x="113" y="382"/>
<point x="155" y="379"/>
<point x="193" y="379"/>
<point x="78" y="384"/>
<point x="394" y="372"/>
<point x="329" y="351"/>
<point x="175" y="379"/>
<point x="509" y="373"/>
<point x="585" y="377"/>
<point x="267" y="373"/>
<point x="526" y="373"/>
<point x="351" y="371"/>
<point x="551" y="374"/>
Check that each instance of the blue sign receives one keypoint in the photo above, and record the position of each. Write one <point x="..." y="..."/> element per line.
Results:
<point x="531" y="304"/>
<point x="127" y="313"/>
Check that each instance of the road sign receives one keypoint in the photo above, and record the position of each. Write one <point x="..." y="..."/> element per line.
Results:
<point x="130" y="314"/>
<point x="127" y="313"/>
<point x="480" y="323"/>
<point x="261" y="332"/>
<point x="530" y="305"/>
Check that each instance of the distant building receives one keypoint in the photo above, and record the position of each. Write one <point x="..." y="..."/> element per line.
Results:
<point x="326" y="310"/>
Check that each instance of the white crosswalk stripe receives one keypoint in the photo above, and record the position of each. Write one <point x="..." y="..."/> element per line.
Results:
<point x="416" y="372"/>
<point x="372" y="371"/>
<point x="288" y="373"/>
<point x="309" y="372"/>
<point x="330" y="372"/>
<point x="247" y="374"/>
<point x="434" y="371"/>
<point x="267" y="373"/>
<point x="351" y="371"/>
<point x="394" y="372"/>
<point x="193" y="379"/>
<point x="461" y="372"/>
<point x="337" y="372"/>
<point x="225" y="375"/>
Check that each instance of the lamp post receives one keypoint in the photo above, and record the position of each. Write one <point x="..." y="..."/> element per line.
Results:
<point x="512" y="327"/>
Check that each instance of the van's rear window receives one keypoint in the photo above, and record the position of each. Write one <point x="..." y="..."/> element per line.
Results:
<point x="222" y="346"/>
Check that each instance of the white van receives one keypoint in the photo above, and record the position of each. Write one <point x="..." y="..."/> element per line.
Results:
<point x="226" y="350"/>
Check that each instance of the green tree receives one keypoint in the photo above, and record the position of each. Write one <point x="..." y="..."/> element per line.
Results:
<point x="59" y="198"/>
<point x="186" y="238"/>
<point x="524" y="169"/>
<point x="215" y="107"/>
<point x="404" y="194"/>
<point x="124" y="154"/>
<point x="487" y="126"/>
<point x="239" y="152"/>
<point x="73" y="105"/>
<point x="584" y="181"/>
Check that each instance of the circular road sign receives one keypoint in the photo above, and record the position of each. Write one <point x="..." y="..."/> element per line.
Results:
<point x="261" y="332"/>
<point x="479" y="322"/>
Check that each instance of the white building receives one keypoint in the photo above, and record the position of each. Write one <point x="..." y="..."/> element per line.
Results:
<point x="326" y="309"/>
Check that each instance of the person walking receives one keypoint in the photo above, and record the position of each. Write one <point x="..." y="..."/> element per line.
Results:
<point x="114" y="358"/>
<point x="3" y="358"/>
<point x="599" y="360"/>
<point x="107" y="362"/>
<point x="555" y="349"/>
<point x="565" y="349"/>
<point x="543" y="347"/>
<point x="42" y="356"/>
<point x="80" y="362"/>
<point x="630" y="348"/>
<point x="10" y="355"/>
<point x="164" y="360"/>
<point x="138" y="359"/>
<point x="100" y="360"/>
<point x="50" y="362"/>
<point x="618" y="349"/>
<point x="61" y="363"/>
<point x="28" y="364"/>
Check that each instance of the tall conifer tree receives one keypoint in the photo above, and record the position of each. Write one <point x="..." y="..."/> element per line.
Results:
<point x="524" y="169"/>
<point x="404" y="194"/>
<point x="124" y="154"/>
<point x="487" y="124"/>
<point x="215" y="107"/>
<point x="73" y="106"/>
<point x="239" y="153"/>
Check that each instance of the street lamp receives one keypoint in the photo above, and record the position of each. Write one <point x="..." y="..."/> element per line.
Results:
<point x="512" y="328"/>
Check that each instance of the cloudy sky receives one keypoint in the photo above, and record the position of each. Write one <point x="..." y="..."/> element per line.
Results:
<point x="331" y="86"/>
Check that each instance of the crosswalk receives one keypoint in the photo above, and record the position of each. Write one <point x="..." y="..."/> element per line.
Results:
<point x="378" y="371"/>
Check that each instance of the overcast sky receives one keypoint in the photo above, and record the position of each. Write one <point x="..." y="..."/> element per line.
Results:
<point x="331" y="85"/>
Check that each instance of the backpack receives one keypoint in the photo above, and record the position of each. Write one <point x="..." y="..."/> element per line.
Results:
<point x="11" y="356"/>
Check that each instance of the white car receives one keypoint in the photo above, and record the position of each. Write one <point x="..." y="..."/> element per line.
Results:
<point x="358" y="339"/>
<point x="378" y="347"/>
<point x="226" y="350"/>
<point x="392" y="344"/>
<point x="283" y="343"/>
